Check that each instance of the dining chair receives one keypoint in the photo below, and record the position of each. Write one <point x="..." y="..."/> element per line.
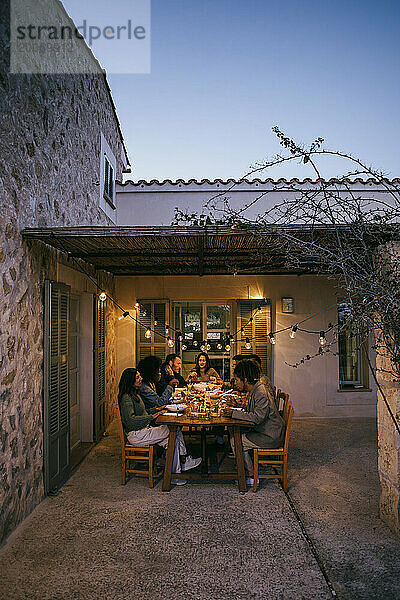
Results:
<point x="137" y="454"/>
<point x="274" y="457"/>
<point x="282" y="400"/>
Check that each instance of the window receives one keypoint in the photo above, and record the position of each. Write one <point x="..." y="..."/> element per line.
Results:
<point x="151" y="336"/>
<point x="107" y="176"/>
<point x="353" y="373"/>
<point x="108" y="191"/>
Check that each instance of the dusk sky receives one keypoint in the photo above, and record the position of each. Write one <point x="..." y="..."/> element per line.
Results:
<point x="224" y="72"/>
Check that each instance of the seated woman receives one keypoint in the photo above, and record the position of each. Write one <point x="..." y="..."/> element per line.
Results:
<point x="150" y="370"/>
<point x="139" y="424"/>
<point x="203" y="371"/>
<point x="269" y="429"/>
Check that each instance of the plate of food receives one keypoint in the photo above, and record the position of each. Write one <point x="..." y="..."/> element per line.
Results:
<point x="176" y="407"/>
<point x="200" y="387"/>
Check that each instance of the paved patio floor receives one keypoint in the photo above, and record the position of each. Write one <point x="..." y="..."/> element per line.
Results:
<point x="98" y="539"/>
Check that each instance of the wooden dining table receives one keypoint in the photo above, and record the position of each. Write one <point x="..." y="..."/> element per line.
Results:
<point x="173" y="421"/>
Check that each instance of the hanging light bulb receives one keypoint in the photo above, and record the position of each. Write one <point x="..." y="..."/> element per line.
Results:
<point x="208" y="347"/>
<point x="219" y="346"/>
<point x="144" y="313"/>
<point x="272" y="338"/>
<point x="148" y="333"/>
<point x="227" y="347"/>
<point x="167" y="329"/>
<point x="137" y="305"/>
<point x="155" y="322"/>
<point x="293" y="332"/>
<point x="322" y="338"/>
<point x="242" y="331"/>
<point x="203" y="347"/>
<point x="103" y="296"/>
<point x="184" y="347"/>
<point x="170" y="342"/>
<point x="195" y="343"/>
<point x="248" y="345"/>
<point x="180" y="336"/>
<point x="125" y="314"/>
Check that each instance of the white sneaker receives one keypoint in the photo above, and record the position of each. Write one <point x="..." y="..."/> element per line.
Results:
<point x="190" y="463"/>
<point x="250" y="481"/>
<point x="178" y="481"/>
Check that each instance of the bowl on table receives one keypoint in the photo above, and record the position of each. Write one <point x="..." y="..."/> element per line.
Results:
<point x="176" y="408"/>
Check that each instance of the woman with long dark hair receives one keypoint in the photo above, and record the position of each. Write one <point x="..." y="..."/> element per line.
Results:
<point x="150" y="370"/>
<point x="140" y="424"/>
<point x="203" y="370"/>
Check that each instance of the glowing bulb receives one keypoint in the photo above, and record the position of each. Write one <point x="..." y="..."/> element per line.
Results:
<point x="322" y="338"/>
<point x="103" y="296"/>
<point x="227" y="347"/>
<point x="208" y="347"/>
<point x="248" y="345"/>
<point x="184" y="347"/>
<point x="293" y="332"/>
<point x="170" y="342"/>
<point x="195" y="343"/>
<point x="219" y="346"/>
<point x="167" y="329"/>
<point x="272" y="338"/>
<point x="180" y="337"/>
<point x="144" y="313"/>
<point x="148" y="333"/>
<point x="242" y="331"/>
<point x="137" y="305"/>
<point x="203" y="348"/>
<point x="155" y="322"/>
<point x="125" y="314"/>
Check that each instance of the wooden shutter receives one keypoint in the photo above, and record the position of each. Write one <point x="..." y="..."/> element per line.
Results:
<point x="157" y="310"/>
<point x="56" y="441"/>
<point x="257" y="331"/>
<point x="99" y="377"/>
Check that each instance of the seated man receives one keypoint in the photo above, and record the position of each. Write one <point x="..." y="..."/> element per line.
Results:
<point x="171" y="370"/>
<point x="269" y="388"/>
<point x="149" y="369"/>
<point x="269" y="427"/>
<point x="139" y="424"/>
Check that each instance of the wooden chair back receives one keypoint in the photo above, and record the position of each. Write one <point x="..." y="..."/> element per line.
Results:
<point x="282" y="400"/>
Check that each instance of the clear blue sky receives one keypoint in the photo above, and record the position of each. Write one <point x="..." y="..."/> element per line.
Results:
<point x="225" y="71"/>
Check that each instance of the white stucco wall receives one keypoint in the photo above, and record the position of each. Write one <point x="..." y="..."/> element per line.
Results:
<point x="154" y="203"/>
<point x="313" y="386"/>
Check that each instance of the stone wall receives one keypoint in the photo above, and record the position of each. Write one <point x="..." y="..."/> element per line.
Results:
<point x="388" y="436"/>
<point x="49" y="166"/>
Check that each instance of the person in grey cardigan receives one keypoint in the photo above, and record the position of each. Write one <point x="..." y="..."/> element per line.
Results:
<point x="140" y="426"/>
<point x="269" y="427"/>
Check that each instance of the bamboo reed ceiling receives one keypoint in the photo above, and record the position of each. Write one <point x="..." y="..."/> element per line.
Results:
<point x="178" y="250"/>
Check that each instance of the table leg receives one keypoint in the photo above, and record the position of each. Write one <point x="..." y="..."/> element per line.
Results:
<point x="239" y="459"/>
<point x="166" y="486"/>
<point x="204" y="462"/>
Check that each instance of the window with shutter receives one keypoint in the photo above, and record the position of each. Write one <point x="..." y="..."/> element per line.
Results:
<point x="154" y="315"/>
<point x="257" y="331"/>
<point x="99" y="367"/>
<point x="56" y="455"/>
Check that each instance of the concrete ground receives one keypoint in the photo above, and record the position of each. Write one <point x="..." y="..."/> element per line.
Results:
<point x="98" y="539"/>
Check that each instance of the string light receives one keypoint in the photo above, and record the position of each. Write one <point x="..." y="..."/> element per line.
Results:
<point x="293" y="332"/>
<point x="170" y="342"/>
<point x="166" y="329"/>
<point x="248" y="345"/>
<point x="227" y="347"/>
<point x="180" y="337"/>
<point x="322" y="338"/>
<point x="219" y="346"/>
<point x="272" y="338"/>
<point x="125" y="314"/>
<point x="155" y="322"/>
<point x="103" y="296"/>
<point x="148" y="333"/>
<point x="137" y="305"/>
<point x="208" y="347"/>
<point x="184" y="347"/>
<point x="195" y="343"/>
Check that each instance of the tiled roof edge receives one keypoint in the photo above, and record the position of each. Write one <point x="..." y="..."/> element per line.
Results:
<point x="180" y="182"/>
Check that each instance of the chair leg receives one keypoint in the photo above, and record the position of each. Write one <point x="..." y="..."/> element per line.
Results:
<point x="151" y="465"/>
<point x="255" y="460"/>
<point x="284" y="474"/>
<point x="123" y="470"/>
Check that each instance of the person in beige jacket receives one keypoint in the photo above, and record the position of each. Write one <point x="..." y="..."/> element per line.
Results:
<point x="269" y="427"/>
